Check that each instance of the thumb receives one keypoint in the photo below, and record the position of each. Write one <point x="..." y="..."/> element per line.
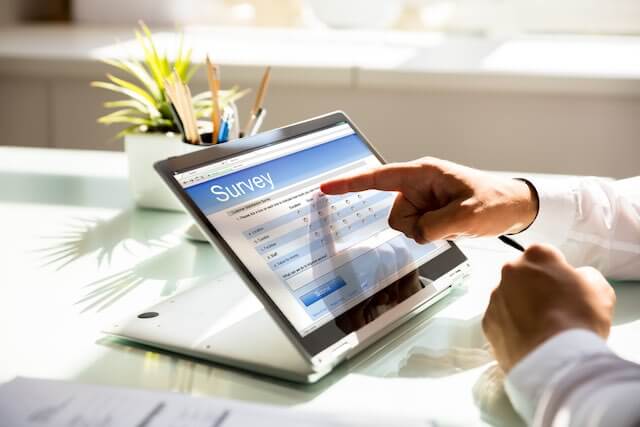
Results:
<point x="591" y="274"/>
<point x="440" y="223"/>
<point x="595" y="278"/>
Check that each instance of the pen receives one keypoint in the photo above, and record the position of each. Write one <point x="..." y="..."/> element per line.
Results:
<point x="224" y="127"/>
<point x="257" y="124"/>
<point x="510" y="242"/>
<point x="262" y="91"/>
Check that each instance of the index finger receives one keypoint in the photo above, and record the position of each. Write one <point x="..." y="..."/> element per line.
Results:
<point x="385" y="178"/>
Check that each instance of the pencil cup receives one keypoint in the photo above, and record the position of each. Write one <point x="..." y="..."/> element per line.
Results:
<point x="143" y="150"/>
<point x="233" y="126"/>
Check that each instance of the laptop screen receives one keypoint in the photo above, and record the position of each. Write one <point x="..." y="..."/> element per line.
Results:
<point x="316" y="256"/>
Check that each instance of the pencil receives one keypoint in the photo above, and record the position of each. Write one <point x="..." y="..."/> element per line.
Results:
<point x="185" y="102"/>
<point x="257" y="105"/>
<point x="214" y="86"/>
<point x="178" y="94"/>
<point x="177" y="107"/>
<point x="192" y="114"/>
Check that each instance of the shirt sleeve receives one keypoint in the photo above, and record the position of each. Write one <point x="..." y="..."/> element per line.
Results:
<point x="573" y="379"/>
<point x="593" y="221"/>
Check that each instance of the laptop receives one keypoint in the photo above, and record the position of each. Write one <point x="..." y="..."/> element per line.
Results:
<point x="329" y="277"/>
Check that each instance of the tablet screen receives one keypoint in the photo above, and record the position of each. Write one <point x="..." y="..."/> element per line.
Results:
<point x="316" y="256"/>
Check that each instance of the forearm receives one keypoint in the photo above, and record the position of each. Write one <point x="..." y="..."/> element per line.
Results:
<point x="593" y="221"/>
<point x="601" y="390"/>
<point x="574" y="380"/>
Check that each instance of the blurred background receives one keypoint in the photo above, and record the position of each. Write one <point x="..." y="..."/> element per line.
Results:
<point x="527" y="85"/>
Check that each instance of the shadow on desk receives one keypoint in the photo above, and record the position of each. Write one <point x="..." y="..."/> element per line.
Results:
<point x="627" y="308"/>
<point x="130" y="234"/>
<point x="48" y="189"/>
<point x="202" y="377"/>
<point x="427" y="347"/>
<point x="185" y="263"/>
<point x="157" y="368"/>
<point x="84" y="235"/>
<point x="443" y="347"/>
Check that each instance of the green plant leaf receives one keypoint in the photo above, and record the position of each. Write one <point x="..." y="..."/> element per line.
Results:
<point x="180" y="47"/>
<point x="222" y="94"/>
<point x="137" y="70"/>
<point x="159" y="62"/>
<point x="128" y="103"/>
<point x="153" y="111"/>
<point x="191" y="72"/>
<point x="132" y="87"/>
<point x="147" y="109"/>
<point x="147" y="33"/>
<point x="106" y="120"/>
<point x="166" y="65"/>
<point x="225" y="97"/>
<point x="127" y="131"/>
<point x="233" y="96"/>
<point x="134" y="120"/>
<point x="182" y="64"/>
<point x="122" y="112"/>
<point x="151" y="59"/>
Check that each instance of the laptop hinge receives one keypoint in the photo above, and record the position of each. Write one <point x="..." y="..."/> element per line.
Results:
<point x="341" y="350"/>
<point x="337" y="353"/>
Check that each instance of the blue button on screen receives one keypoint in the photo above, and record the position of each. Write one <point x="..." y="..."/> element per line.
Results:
<point x="322" y="291"/>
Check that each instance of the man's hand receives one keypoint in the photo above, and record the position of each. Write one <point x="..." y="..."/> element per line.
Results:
<point x="541" y="295"/>
<point x="442" y="200"/>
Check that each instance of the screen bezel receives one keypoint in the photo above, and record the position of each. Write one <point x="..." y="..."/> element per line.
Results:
<point x="329" y="333"/>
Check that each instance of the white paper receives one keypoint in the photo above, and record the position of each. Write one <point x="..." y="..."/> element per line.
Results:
<point x="46" y="403"/>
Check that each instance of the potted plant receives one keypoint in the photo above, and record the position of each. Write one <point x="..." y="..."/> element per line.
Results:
<point x="151" y="131"/>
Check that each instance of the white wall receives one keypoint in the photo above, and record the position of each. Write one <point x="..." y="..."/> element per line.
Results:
<point x="9" y="11"/>
<point x="598" y="135"/>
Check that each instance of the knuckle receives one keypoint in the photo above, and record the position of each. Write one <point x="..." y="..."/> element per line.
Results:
<point x="508" y="269"/>
<point x="541" y="252"/>
<point x="485" y="322"/>
<point x="462" y="217"/>
<point x="493" y="300"/>
<point x="421" y="235"/>
<point x="430" y="164"/>
<point x="595" y="278"/>
<point x="591" y="274"/>
<point x="428" y="160"/>
<point x="393" y="221"/>
<point x="610" y="295"/>
<point x="465" y="211"/>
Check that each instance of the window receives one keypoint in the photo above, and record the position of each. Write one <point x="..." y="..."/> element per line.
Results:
<point x="466" y="16"/>
<point x="570" y="16"/>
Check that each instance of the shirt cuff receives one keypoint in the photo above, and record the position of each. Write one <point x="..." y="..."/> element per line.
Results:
<point x="557" y="211"/>
<point x="528" y="378"/>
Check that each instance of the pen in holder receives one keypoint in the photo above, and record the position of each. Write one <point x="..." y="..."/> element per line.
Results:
<point x="163" y="118"/>
<point x="229" y="127"/>
<point x="223" y="125"/>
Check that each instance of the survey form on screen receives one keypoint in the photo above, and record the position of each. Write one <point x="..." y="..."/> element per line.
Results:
<point x="316" y="255"/>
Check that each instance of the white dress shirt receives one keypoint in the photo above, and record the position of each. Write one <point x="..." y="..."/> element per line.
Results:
<point x="574" y="379"/>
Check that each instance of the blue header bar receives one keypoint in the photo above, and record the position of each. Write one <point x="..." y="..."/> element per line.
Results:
<point x="230" y="190"/>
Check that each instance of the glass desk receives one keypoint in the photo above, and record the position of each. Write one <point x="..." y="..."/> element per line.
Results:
<point x="76" y="255"/>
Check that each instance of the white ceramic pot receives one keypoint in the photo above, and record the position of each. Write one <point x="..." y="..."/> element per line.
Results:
<point x="143" y="150"/>
<point x="357" y="14"/>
